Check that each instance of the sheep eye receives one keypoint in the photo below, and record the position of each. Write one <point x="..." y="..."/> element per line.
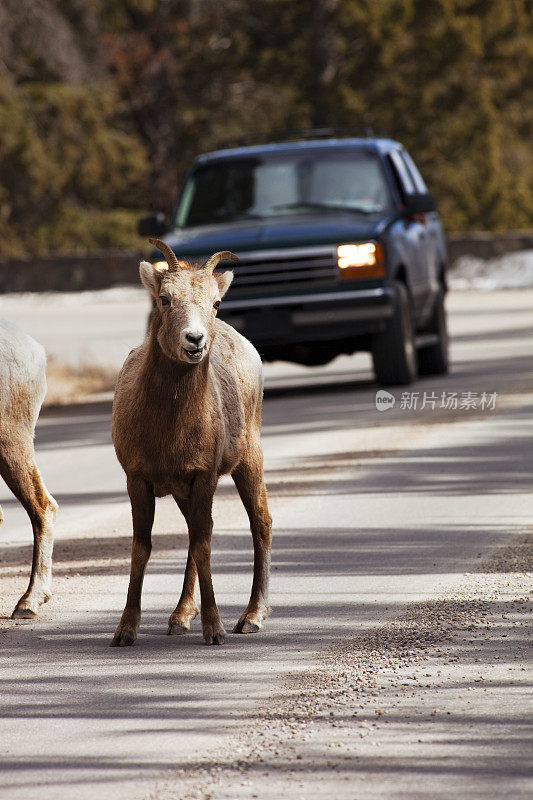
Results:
<point x="216" y="305"/>
<point x="164" y="300"/>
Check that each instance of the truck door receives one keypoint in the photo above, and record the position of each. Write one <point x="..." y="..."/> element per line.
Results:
<point x="416" y="242"/>
<point x="435" y="254"/>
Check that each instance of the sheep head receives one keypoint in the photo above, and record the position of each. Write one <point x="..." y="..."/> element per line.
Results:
<point x="187" y="297"/>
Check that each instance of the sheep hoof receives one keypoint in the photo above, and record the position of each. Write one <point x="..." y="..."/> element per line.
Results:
<point x="250" y="627"/>
<point x="23" y="612"/>
<point x="177" y="630"/>
<point x="124" y="636"/>
<point x="215" y="636"/>
<point x="28" y="606"/>
<point x="179" y="621"/>
<point x="251" y="621"/>
<point x="246" y="626"/>
<point x="122" y="640"/>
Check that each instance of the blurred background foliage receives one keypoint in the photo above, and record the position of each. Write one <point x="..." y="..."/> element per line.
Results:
<point x="103" y="104"/>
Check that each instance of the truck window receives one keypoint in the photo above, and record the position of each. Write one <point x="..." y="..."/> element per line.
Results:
<point x="400" y="167"/>
<point x="283" y="184"/>
<point x="415" y="174"/>
<point x="345" y="182"/>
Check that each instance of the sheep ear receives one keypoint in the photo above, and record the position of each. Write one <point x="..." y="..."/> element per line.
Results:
<point x="150" y="277"/>
<point x="224" y="280"/>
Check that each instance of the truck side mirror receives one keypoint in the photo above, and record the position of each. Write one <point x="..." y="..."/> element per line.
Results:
<point x="419" y="204"/>
<point x="154" y="224"/>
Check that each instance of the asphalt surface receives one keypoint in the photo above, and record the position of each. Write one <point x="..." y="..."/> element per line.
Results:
<point x="373" y="511"/>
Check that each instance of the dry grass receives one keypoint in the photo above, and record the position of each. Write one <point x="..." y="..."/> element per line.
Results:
<point x="68" y="384"/>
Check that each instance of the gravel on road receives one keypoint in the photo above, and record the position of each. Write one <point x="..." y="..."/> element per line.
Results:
<point x="390" y="713"/>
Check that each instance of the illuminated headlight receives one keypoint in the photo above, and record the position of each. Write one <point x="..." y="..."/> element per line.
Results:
<point x="363" y="260"/>
<point x="357" y="255"/>
<point x="160" y="266"/>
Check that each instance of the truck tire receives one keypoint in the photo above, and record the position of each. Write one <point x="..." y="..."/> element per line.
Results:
<point x="393" y="350"/>
<point x="433" y="359"/>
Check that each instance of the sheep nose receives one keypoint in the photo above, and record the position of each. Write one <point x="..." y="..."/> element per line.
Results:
<point x="195" y="338"/>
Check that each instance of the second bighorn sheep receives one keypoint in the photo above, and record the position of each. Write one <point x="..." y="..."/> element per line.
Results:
<point x="22" y="391"/>
<point x="187" y="410"/>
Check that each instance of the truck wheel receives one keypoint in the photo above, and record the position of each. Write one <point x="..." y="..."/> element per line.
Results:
<point x="433" y="358"/>
<point x="393" y="350"/>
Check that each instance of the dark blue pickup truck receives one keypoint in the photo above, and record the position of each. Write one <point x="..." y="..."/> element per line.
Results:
<point x="340" y="246"/>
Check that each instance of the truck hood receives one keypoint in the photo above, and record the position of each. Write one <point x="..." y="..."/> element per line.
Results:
<point x="250" y="235"/>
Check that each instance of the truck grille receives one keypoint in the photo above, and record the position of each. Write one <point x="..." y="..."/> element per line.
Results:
<point x="279" y="270"/>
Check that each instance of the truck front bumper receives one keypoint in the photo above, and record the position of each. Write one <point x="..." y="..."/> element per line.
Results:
<point x="310" y="317"/>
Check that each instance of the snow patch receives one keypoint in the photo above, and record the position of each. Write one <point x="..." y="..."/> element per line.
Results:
<point x="511" y="271"/>
<point x="114" y="295"/>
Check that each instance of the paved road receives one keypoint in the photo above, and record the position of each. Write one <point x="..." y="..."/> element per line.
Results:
<point x="372" y="511"/>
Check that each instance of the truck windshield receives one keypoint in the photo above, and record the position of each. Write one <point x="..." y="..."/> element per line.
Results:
<point x="272" y="186"/>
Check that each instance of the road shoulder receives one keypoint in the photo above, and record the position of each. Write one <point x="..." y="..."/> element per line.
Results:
<point x="431" y="704"/>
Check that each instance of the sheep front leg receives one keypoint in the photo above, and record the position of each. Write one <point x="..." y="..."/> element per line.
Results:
<point x="248" y="477"/>
<point x="200" y="530"/>
<point x="142" y="509"/>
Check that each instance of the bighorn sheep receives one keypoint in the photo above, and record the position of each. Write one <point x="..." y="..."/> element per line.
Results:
<point x="22" y="391"/>
<point x="187" y="409"/>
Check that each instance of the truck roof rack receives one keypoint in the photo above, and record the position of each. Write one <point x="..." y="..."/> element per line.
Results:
<point x="296" y="134"/>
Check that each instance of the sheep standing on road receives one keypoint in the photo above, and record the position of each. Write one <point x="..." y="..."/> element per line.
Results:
<point x="22" y="391"/>
<point x="187" y="409"/>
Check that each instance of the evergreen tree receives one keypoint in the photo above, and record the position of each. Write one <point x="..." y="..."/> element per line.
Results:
<point x="104" y="104"/>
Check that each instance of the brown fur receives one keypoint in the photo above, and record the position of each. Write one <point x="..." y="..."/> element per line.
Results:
<point x="178" y="426"/>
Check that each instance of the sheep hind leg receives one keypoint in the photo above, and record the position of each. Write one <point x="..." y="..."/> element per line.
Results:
<point x="200" y="531"/>
<point x="180" y="620"/>
<point x="21" y="474"/>
<point x="249" y="481"/>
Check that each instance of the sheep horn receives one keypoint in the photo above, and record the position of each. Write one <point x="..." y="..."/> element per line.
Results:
<point x="215" y="259"/>
<point x="170" y="256"/>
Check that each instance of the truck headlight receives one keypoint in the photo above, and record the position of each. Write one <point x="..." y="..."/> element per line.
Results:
<point x="363" y="260"/>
